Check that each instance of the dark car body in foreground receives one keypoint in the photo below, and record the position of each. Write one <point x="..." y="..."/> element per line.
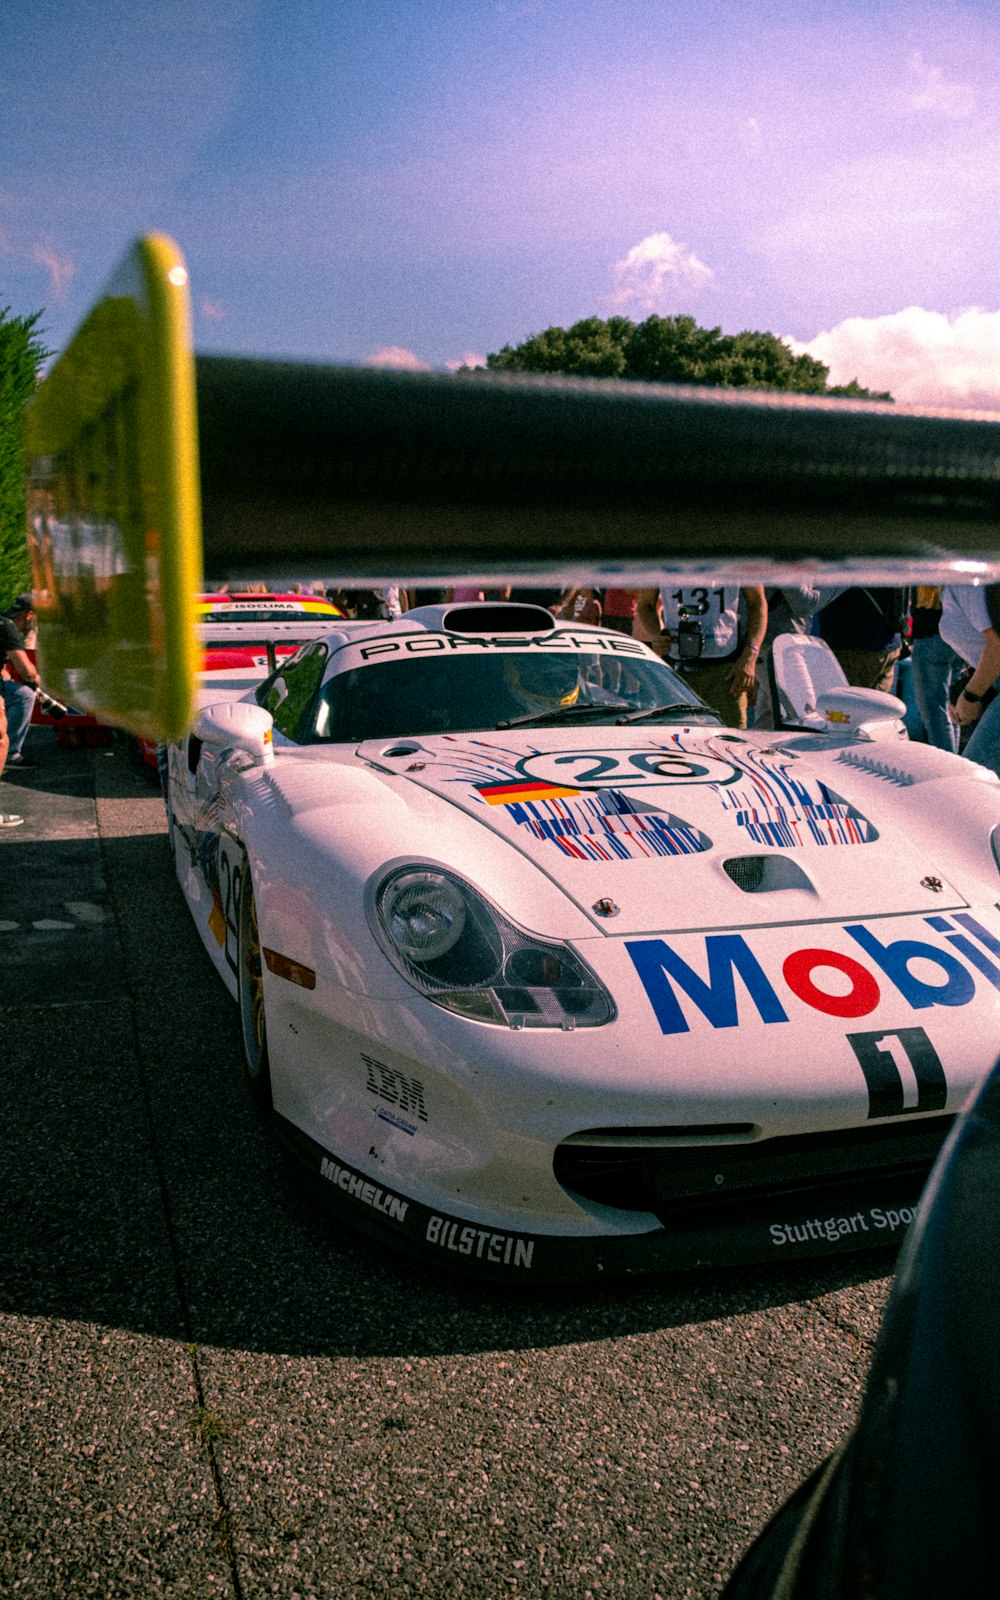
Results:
<point x="906" y="1509"/>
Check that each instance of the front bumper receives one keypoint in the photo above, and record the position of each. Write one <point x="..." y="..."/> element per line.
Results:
<point x="785" y="1204"/>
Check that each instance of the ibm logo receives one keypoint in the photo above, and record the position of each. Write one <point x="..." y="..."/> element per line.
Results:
<point x="395" y="1088"/>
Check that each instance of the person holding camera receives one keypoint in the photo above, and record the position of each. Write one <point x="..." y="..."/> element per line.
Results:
<point x="712" y="635"/>
<point x="19" y="680"/>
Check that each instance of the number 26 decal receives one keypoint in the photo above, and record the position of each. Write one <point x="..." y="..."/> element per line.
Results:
<point x="598" y="769"/>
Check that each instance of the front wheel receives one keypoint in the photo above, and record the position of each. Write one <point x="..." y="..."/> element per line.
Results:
<point x="251" y="992"/>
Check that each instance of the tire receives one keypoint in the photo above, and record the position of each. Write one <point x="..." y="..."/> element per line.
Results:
<point x="253" y="1024"/>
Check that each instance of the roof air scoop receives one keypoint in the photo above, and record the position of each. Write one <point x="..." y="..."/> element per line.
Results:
<point x="488" y="617"/>
<point x="483" y="616"/>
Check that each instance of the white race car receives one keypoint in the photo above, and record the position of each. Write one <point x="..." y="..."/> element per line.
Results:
<point x="544" y="973"/>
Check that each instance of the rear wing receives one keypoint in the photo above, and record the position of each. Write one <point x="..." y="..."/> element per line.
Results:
<point x="358" y="477"/>
<point x="336" y="473"/>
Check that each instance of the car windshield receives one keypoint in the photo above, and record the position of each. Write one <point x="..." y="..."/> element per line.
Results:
<point x="461" y="693"/>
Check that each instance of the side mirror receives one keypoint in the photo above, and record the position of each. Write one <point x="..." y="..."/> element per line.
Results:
<point x="238" y="725"/>
<point x="864" y="714"/>
<point x="802" y="668"/>
<point x="810" y="693"/>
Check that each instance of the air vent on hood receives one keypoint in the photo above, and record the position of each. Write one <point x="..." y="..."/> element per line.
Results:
<point x="764" y="874"/>
<point x="396" y="752"/>
<point x="878" y="768"/>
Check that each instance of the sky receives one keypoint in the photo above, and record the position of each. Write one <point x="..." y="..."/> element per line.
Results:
<point x="419" y="182"/>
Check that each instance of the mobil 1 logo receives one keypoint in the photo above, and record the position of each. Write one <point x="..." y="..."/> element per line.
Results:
<point x="902" y="1070"/>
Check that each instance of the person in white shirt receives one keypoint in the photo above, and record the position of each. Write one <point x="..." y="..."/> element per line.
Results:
<point x="966" y="624"/>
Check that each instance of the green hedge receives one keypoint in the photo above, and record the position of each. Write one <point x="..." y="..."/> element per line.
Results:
<point x="21" y="354"/>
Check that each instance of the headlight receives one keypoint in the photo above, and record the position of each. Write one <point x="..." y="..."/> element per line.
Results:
<point x="462" y="953"/>
<point x="424" y="915"/>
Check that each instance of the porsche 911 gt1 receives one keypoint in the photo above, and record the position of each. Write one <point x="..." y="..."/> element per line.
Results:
<point x="544" y="974"/>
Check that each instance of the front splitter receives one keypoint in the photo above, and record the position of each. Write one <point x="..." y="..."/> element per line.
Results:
<point x="832" y="1219"/>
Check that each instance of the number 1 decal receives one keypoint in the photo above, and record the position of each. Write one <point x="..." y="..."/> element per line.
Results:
<point x="902" y="1070"/>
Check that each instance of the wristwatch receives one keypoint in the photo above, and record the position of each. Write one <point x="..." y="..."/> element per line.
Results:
<point x="974" y="699"/>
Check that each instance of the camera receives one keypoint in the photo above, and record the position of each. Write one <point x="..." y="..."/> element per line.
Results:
<point x="690" y="639"/>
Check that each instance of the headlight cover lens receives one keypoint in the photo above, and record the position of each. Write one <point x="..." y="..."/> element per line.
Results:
<point x="424" y="915"/>
<point x="462" y="953"/>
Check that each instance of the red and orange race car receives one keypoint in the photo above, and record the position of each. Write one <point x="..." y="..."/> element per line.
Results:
<point x="242" y="620"/>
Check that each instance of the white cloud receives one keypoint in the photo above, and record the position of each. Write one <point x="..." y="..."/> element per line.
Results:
<point x="395" y="355"/>
<point x="653" y="274"/>
<point x="60" y="269"/>
<point x="923" y="358"/>
<point x="932" y="92"/>
<point x="19" y="247"/>
<point x="470" y="359"/>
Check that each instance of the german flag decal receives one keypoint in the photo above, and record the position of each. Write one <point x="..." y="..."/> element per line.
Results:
<point x="511" y="794"/>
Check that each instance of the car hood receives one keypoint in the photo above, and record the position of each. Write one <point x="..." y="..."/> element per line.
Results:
<point x="656" y="830"/>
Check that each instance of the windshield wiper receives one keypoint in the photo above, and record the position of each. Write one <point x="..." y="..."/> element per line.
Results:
<point x="558" y="713"/>
<point x="667" y="710"/>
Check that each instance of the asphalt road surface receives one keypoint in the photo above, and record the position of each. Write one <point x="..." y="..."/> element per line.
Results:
<point x="208" y="1389"/>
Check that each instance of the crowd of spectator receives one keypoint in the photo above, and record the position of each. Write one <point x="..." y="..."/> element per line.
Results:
<point x="718" y="637"/>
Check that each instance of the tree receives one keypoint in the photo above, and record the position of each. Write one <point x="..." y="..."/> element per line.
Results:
<point x="21" y="354"/>
<point x="590" y="349"/>
<point x="672" y="350"/>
